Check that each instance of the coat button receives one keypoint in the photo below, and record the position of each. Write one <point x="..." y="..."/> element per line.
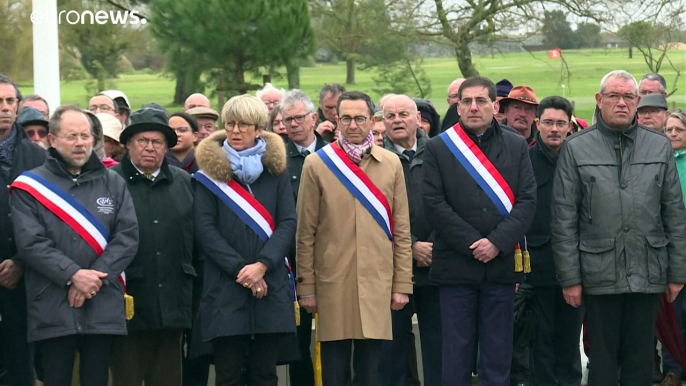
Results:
<point x="155" y="221"/>
<point x="10" y="239"/>
<point x="300" y="280"/>
<point x="295" y="177"/>
<point x="160" y="285"/>
<point x="626" y="229"/>
<point x="483" y="210"/>
<point x="159" y="253"/>
<point x="9" y="214"/>
<point x="623" y="186"/>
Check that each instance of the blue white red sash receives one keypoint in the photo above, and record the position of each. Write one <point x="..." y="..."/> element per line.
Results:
<point x="480" y="168"/>
<point x="359" y="184"/>
<point x="67" y="209"/>
<point x="245" y="206"/>
<point x="489" y="179"/>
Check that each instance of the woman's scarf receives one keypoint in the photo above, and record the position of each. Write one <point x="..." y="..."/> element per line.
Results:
<point x="356" y="151"/>
<point x="247" y="164"/>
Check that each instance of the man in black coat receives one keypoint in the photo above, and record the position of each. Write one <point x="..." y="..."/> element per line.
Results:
<point x="556" y="359"/>
<point x="17" y="154"/>
<point x="160" y="277"/>
<point x="300" y="119"/>
<point x="474" y="252"/>
<point x="408" y="141"/>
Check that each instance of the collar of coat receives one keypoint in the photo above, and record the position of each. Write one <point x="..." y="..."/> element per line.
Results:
<point x="55" y="163"/>
<point x="132" y="175"/>
<point x="293" y="150"/>
<point x="612" y="132"/>
<point x="215" y="163"/>
<point x="422" y="139"/>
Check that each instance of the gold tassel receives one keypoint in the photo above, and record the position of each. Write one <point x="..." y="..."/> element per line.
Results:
<point x="527" y="262"/>
<point x="518" y="260"/>
<point x="297" y="313"/>
<point x="129" y="306"/>
<point x="318" y="381"/>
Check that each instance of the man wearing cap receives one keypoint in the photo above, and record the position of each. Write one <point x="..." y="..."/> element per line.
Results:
<point x="196" y="100"/>
<point x="207" y="121"/>
<point x="35" y="125"/>
<point x="160" y="276"/>
<point x="17" y="154"/>
<point x="37" y="102"/>
<point x="123" y="105"/>
<point x="503" y="89"/>
<point x="653" y="111"/>
<point x="111" y="129"/>
<point x="73" y="289"/>
<point x="520" y="111"/>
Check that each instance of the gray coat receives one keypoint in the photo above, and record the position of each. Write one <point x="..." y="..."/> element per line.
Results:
<point x="618" y="222"/>
<point x="52" y="251"/>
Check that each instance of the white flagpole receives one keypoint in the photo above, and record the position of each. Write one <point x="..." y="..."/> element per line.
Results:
<point x="46" y="58"/>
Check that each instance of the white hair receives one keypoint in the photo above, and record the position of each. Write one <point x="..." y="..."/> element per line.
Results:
<point x="620" y="74"/>
<point x="269" y="87"/>
<point x="294" y="96"/>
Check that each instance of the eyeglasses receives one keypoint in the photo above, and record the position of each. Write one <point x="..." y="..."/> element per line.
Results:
<point x="270" y="103"/>
<point x="41" y="133"/>
<point x="678" y="130"/>
<point x="182" y="129"/>
<point x="359" y="120"/>
<point x="242" y="126"/>
<point x="208" y="126"/>
<point x="614" y="97"/>
<point x="481" y="102"/>
<point x="297" y="118"/>
<point x="649" y="111"/>
<point x="143" y="142"/>
<point x="74" y="137"/>
<point x="94" y="108"/>
<point x="551" y="123"/>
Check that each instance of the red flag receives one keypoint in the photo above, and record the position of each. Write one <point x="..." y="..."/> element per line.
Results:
<point x="555" y="53"/>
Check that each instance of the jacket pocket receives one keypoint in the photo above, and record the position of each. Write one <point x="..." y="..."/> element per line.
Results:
<point x="598" y="263"/>
<point x="657" y="259"/>
<point x="189" y="270"/>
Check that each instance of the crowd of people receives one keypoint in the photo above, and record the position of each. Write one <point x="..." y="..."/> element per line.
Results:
<point x="144" y="246"/>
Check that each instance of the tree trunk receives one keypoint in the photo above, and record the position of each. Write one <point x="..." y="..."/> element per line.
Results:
<point x="631" y="52"/>
<point x="293" y="71"/>
<point x="101" y="84"/>
<point x="464" y="60"/>
<point x="187" y="82"/>
<point x="350" y="71"/>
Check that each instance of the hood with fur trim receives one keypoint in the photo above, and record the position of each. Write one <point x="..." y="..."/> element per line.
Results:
<point x="215" y="163"/>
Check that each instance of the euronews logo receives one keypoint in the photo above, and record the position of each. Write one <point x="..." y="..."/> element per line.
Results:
<point x="89" y="17"/>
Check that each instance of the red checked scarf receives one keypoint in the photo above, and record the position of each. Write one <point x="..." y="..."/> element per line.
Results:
<point x="356" y="151"/>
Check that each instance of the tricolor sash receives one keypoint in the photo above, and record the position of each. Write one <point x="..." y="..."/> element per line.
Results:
<point x="488" y="177"/>
<point x="73" y="213"/>
<point x="248" y="209"/>
<point x="359" y="185"/>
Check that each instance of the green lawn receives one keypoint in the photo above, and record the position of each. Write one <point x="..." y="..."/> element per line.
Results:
<point x="534" y="69"/>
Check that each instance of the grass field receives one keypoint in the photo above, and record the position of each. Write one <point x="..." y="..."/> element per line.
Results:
<point x="586" y="68"/>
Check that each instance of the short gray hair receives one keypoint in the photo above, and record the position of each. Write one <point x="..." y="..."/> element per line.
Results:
<point x="620" y="74"/>
<point x="657" y="77"/>
<point x="293" y="97"/>
<point x="269" y="87"/>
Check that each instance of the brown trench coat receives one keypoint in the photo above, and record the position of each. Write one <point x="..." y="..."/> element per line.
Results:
<point x="343" y="254"/>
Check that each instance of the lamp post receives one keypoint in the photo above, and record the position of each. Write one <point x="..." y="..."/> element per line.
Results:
<point x="46" y="57"/>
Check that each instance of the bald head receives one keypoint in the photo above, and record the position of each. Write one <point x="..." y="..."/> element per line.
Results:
<point x="401" y="119"/>
<point x="452" y="90"/>
<point x="385" y="99"/>
<point x="196" y="100"/>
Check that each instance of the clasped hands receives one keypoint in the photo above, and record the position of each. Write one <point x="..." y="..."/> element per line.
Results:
<point x="85" y="284"/>
<point x="252" y="277"/>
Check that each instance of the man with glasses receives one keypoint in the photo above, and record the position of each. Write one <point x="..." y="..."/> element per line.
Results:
<point x="354" y="245"/>
<point x="207" y="121"/>
<point x="270" y="95"/>
<point x="35" y="125"/>
<point x="617" y="228"/>
<point x="76" y="231"/>
<point x="555" y="358"/>
<point x="479" y="196"/>
<point x="160" y="277"/>
<point x="101" y="103"/>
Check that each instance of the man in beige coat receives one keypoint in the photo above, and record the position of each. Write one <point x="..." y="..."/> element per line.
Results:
<point x="353" y="267"/>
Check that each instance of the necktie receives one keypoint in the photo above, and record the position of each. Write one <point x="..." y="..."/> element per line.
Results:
<point x="409" y="154"/>
<point x="305" y="152"/>
<point x="149" y="176"/>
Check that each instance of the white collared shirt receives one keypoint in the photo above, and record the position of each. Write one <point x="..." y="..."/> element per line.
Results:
<point x="311" y="148"/>
<point x="154" y="174"/>
<point x="401" y="149"/>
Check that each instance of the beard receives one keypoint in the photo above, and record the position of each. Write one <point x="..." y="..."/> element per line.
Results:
<point x="71" y="161"/>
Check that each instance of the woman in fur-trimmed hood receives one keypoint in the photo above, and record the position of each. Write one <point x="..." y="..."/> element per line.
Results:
<point x="247" y="299"/>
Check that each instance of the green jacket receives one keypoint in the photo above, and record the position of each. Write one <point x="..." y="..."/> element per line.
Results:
<point x="618" y="221"/>
<point x="161" y="275"/>
<point x="680" y="158"/>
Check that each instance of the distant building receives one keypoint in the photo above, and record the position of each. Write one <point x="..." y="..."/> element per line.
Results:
<point x="610" y="40"/>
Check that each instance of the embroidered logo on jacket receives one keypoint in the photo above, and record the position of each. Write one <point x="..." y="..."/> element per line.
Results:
<point x="105" y="205"/>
